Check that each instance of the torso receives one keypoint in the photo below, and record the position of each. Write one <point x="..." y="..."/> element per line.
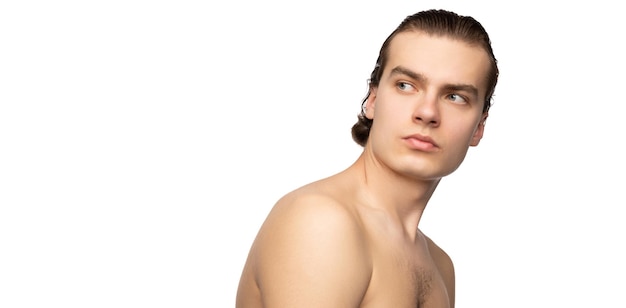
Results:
<point x="404" y="272"/>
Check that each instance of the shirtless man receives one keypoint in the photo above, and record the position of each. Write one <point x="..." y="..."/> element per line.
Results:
<point x="353" y="239"/>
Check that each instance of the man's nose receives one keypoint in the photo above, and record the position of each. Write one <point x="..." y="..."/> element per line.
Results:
<point x="426" y="111"/>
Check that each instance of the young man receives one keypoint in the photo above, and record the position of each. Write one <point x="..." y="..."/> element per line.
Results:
<point x="353" y="239"/>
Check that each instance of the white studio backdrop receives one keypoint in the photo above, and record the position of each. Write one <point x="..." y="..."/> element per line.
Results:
<point x="142" y="144"/>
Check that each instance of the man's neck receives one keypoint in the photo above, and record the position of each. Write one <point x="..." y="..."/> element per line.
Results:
<point x="401" y="197"/>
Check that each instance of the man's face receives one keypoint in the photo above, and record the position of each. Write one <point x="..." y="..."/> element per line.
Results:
<point x="427" y="108"/>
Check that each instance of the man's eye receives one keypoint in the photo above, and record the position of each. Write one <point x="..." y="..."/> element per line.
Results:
<point x="457" y="98"/>
<point x="404" y="86"/>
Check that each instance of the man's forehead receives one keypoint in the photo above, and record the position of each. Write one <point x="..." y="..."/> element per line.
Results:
<point x="410" y="43"/>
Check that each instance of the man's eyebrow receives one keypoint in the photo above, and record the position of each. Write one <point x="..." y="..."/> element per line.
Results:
<point x="400" y="70"/>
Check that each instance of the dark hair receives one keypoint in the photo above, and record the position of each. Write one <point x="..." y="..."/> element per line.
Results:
<point x="438" y="23"/>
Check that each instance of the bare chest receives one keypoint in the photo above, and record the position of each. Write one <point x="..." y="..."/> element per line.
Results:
<point x="405" y="275"/>
<point x="406" y="285"/>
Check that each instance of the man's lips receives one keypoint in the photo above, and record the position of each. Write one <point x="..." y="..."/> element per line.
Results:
<point x="421" y="143"/>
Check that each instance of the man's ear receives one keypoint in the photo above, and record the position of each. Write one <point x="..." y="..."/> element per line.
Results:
<point x="480" y="130"/>
<point x="370" y="103"/>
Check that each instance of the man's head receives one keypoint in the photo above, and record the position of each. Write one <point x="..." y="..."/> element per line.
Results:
<point x="435" y="23"/>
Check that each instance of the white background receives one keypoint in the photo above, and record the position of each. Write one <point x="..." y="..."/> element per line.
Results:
<point x="142" y="143"/>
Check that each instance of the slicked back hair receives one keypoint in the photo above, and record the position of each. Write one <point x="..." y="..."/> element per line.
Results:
<point x="435" y="23"/>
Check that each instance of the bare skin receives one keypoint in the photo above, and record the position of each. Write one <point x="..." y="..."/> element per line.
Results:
<point x="353" y="239"/>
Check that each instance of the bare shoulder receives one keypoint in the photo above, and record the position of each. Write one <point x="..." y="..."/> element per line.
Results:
<point x="311" y="251"/>
<point x="441" y="258"/>
<point x="444" y="265"/>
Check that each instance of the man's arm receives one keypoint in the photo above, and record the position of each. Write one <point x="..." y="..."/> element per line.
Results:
<point x="311" y="252"/>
